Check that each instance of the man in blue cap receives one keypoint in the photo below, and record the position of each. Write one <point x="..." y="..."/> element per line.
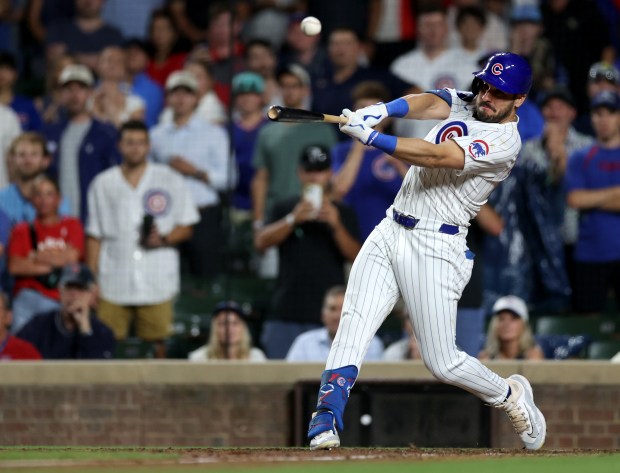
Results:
<point x="73" y="331"/>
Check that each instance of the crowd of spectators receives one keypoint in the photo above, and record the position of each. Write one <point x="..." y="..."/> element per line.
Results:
<point x="133" y="133"/>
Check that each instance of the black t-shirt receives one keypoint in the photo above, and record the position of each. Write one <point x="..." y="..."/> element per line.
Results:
<point x="342" y="13"/>
<point x="310" y="264"/>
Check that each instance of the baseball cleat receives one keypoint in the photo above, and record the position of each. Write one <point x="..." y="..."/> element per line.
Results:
<point x="526" y="418"/>
<point x="322" y="433"/>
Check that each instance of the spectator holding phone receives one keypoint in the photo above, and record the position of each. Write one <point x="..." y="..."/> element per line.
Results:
<point x="315" y="237"/>
<point x="138" y="213"/>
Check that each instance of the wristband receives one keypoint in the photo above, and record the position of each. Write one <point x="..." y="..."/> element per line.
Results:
<point x="290" y="220"/>
<point x="383" y="142"/>
<point x="397" y="108"/>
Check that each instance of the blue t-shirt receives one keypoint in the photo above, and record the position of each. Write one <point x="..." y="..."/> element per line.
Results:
<point x="19" y="209"/>
<point x="244" y="141"/>
<point x="152" y="93"/>
<point x="531" y="121"/>
<point x="375" y="187"/>
<point x="29" y="117"/>
<point x="595" y="168"/>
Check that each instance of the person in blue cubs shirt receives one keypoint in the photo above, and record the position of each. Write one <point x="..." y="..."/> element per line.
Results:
<point x="593" y="186"/>
<point x="29" y="117"/>
<point x="72" y="331"/>
<point x="366" y="178"/>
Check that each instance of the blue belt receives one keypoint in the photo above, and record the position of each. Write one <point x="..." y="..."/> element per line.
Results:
<point x="410" y="222"/>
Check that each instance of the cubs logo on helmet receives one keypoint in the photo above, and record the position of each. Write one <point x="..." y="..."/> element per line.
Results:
<point x="157" y="202"/>
<point x="507" y="72"/>
<point x="478" y="149"/>
<point x="451" y="130"/>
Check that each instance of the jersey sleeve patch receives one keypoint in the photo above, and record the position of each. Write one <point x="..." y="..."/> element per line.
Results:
<point x="478" y="149"/>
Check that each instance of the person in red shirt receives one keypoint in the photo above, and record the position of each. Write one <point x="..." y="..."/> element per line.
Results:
<point x="37" y="251"/>
<point x="167" y="55"/>
<point x="11" y="347"/>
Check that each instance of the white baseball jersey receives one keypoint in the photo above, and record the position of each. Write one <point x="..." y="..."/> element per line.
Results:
<point x="452" y="196"/>
<point x="129" y="274"/>
<point x="425" y="265"/>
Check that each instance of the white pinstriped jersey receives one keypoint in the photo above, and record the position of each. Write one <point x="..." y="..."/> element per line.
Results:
<point x="453" y="196"/>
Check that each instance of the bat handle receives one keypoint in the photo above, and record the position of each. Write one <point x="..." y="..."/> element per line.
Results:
<point x="334" y="119"/>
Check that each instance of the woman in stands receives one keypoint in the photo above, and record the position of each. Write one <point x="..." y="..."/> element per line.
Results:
<point x="509" y="336"/>
<point x="229" y="337"/>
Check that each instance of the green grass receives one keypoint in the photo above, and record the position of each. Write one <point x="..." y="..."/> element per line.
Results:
<point x="550" y="462"/>
<point x="86" y="453"/>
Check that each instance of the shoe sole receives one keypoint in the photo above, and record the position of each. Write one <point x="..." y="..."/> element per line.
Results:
<point x="325" y="441"/>
<point x="530" y="393"/>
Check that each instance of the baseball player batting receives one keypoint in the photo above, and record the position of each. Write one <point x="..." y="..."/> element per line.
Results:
<point x="419" y="250"/>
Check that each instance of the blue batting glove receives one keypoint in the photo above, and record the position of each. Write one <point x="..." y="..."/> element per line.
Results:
<point x="373" y="114"/>
<point x="355" y="126"/>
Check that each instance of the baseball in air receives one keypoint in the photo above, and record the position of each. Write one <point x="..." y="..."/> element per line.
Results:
<point x="311" y="26"/>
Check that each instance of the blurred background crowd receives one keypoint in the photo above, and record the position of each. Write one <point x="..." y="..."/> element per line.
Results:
<point x="149" y="208"/>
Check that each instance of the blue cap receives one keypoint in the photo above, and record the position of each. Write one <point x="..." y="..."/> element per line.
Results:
<point x="604" y="71"/>
<point x="229" y="306"/>
<point x="525" y="13"/>
<point x="77" y="275"/>
<point x="608" y="99"/>
<point x="248" y="83"/>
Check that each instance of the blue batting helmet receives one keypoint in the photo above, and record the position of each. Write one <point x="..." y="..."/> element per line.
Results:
<point x="507" y="72"/>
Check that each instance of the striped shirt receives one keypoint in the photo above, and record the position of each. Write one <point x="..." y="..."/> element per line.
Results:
<point x="455" y="196"/>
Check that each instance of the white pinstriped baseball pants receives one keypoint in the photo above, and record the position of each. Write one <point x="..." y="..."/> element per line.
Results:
<point x="430" y="270"/>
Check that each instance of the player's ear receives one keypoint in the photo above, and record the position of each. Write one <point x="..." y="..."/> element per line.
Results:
<point x="519" y="100"/>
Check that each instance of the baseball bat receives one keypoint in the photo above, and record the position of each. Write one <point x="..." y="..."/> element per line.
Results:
<point x="277" y="113"/>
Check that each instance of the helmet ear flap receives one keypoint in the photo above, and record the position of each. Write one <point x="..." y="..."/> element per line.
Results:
<point x="475" y="85"/>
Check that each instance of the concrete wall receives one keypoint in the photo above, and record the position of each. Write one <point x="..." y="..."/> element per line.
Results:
<point x="237" y="404"/>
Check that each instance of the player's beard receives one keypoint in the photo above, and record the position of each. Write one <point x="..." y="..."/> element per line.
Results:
<point x="497" y="117"/>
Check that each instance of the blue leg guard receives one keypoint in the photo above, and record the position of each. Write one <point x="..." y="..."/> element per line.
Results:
<point x="333" y="396"/>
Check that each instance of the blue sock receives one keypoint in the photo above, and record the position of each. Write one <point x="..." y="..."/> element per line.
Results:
<point x="334" y="393"/>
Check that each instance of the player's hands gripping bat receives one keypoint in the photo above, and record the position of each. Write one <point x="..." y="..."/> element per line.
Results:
<point x="373" y="114"/>
<point x="356" y="127"/>
<point x="277" y="113"/>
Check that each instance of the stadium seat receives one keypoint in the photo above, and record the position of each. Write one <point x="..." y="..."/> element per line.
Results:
<point x="603" y="350"/>
<point x="133" y="347"/>
<point x="596" y="328"/>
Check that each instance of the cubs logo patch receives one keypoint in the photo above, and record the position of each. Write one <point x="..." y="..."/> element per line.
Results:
<point x="496" y="69"/>
<point x="157" y="202"/>
<point x="341" y="381"/>
<point x="383" y="169"/>
<point x="478" y="149"/>
<point x="451" y="130"/>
